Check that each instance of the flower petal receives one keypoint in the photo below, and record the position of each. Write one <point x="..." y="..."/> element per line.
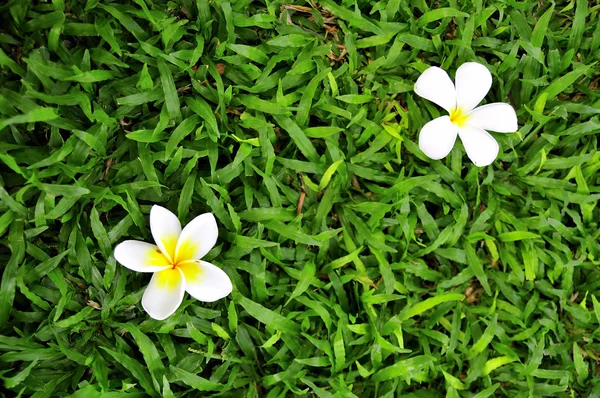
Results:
<point x="481" y="147"/>
<point x="499" y="117"/>
<point x="164" y="294"/>
<point x="141" y="256"/>
<point x="473" y="81"/>
<point x="197" y="238"/>
<point x="205" y="281"/>
<point x="435" y="85"/>
<point x="437" y="137"/>
<point x="166" y="228"/>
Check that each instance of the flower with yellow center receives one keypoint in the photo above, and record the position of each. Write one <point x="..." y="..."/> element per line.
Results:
<point x="175" y="262"/>
<point x="473" y="81"/>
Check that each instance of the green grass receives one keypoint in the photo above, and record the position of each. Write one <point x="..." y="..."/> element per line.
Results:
<point x="360" y="267"/>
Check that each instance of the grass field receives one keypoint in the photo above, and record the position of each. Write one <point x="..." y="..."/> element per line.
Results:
<point x="360" y="267"/>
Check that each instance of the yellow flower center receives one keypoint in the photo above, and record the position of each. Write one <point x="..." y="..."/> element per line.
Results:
<point x="459" y="117"/>
<point x="175" y="257"/>
<point x="170" y="278"/>
<point x="186" y="251"/>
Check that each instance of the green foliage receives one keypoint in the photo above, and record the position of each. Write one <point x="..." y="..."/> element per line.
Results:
<point x="360" y="267"/>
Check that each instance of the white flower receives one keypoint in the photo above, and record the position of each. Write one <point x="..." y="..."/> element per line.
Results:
<point x="473" y="81"/>
<point x="175" y="262"/>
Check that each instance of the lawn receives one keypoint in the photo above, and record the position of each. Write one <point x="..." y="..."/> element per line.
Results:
<point x="360" y="267"/>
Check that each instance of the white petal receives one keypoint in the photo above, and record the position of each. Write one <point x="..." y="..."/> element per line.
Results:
<point x="197" y="238"/>
<point x="141" y="256"/>
<point x="481" y="147"/>
<point x="435" y="85"/>
<point x="473" y="81"/>
<point x="205" y="281"/>
<point x="166" y="228"/>
<point x="164" y="294"/>
<point x="437" y="137"/>
<point x="499" y="117"/>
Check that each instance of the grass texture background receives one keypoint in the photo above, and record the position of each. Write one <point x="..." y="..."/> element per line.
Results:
<point x="360" y="267"/>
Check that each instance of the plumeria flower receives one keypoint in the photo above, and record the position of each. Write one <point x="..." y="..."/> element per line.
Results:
<point x="175" y="262"/>
<point x="473" y="81"/>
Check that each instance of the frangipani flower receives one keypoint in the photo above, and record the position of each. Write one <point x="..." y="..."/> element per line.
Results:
<point x="175" y="262"/>
<point x="473" y="81"/>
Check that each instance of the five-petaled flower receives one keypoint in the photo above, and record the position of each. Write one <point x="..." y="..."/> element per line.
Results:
<point x="175" y="262"/>
<point x="473" y="81"/>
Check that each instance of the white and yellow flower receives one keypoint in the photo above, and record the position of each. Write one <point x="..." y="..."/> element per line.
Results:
<point x="473" y="81"/>
<point x="175" y="262"/>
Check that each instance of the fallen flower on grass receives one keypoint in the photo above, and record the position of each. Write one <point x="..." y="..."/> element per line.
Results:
<point x="175" y="262"/>
<point x="473" y="81"/>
